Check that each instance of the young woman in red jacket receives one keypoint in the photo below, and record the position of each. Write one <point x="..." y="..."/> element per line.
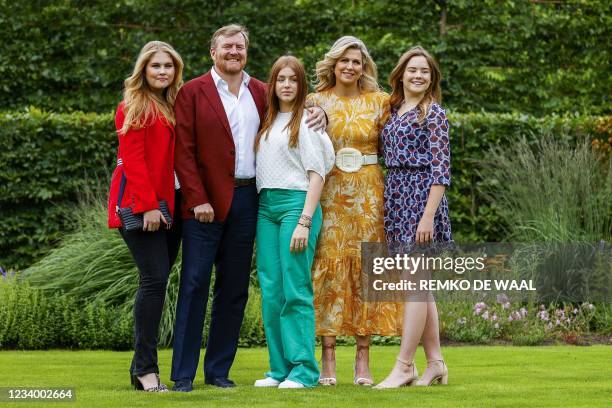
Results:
<point x="143" y="178"/>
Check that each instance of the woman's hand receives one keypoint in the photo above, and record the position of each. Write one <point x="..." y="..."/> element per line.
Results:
<point x="299" y="239"/>
<point x="424" y="232"/>
<point x="152" y="220"/>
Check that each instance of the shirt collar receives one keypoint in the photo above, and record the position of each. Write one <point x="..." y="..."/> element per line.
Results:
<point x="218" y="80"/>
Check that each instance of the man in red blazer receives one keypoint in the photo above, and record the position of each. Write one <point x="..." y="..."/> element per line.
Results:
<point x="217" y="118"/>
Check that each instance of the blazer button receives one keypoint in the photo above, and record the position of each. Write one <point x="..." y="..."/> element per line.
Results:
<point x="232" y="152"/>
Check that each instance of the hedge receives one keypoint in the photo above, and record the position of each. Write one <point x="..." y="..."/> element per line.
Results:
<point x="49" y="160"/>
<point x="33" y="319"/>
<point x="535" y="56"/>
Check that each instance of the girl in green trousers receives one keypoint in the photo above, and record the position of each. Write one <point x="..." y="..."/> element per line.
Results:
<point x="291" y="163"/>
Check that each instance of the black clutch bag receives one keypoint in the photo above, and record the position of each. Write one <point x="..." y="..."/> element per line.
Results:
<point x="135" y="222"/>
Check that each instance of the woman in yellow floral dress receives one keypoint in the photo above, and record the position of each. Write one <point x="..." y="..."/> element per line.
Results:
<point x="352" y="203"/>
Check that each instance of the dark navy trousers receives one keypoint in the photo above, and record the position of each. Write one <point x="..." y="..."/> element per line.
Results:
<point x="227" y="245"/>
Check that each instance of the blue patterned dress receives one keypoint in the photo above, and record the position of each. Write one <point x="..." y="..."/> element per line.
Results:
<point x="417" y="155"/>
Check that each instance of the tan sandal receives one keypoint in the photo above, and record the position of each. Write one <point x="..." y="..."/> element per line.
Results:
<point x="363" y="381"/>
<point x="439" y="375"/>
<point x="411" y="378"/>
<point x="328" y="381"/>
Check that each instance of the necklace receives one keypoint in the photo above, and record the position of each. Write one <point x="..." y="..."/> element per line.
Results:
<point x="408" y="107"/>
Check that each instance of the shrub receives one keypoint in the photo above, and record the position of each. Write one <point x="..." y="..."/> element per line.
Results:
<point x="50" y="160"/>
<point x="551" y="190"/>
<point x="32" y="319"/>
<point x="74" y="55"/>
<point x="94" y="266"/>
<point x="523" y="324"/>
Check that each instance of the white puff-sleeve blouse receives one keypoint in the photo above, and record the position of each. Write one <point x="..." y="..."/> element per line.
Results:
<point x="280" y="166"/>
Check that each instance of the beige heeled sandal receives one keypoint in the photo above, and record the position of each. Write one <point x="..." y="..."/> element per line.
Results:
<point x="363" y="381"/>
<point x="434" y="375"/>
<point x="328" y="381"/>
<point x="411" y="379"/>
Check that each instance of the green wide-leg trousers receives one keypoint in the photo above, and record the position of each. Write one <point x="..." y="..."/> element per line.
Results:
<point x="286" y="286"/>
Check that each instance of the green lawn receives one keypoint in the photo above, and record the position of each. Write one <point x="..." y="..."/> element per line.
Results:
<point x="555" y="376"/>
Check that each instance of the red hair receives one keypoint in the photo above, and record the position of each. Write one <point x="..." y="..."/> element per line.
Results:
<point x="274" y="106"/>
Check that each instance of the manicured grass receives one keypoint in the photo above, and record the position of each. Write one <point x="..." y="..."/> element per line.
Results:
<point x="555" y="376"/>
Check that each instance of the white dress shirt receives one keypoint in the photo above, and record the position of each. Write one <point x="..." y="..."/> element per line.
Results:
<point x="279" y="166"/>
<point x="243" y="119"/>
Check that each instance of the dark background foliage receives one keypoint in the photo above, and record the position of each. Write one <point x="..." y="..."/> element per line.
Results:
<point x="49" y="160"/>
<point x="537" y="66"/>
<point x="533" y="56"/>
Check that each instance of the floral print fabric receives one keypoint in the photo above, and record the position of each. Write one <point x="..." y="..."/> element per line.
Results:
<point x="417" y="156"/>
<point x="352" y="206"/>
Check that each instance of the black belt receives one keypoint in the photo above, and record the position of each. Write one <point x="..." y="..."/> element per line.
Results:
<point x="243" y="182"/>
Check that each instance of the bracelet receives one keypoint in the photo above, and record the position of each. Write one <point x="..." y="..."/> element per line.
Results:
<point x="305" y="221"/>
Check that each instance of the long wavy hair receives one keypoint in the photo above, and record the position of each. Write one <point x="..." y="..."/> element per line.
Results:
<point x="297" y="111"/>
<point x="325" y="69"/>
<point x="432" y="94"/>
<point x="141" y="104"/>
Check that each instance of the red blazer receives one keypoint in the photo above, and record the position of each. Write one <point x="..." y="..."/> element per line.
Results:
<point x="147" y="157"/>
<point x="205" y="153"/>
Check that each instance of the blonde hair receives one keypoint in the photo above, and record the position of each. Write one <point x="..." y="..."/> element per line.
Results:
<point x="325" y="69"/>
<point x="228" y="31"/>
<point x="141" y="104"/>
<point x="299" y="103"/>
<point x="432" y="94"/>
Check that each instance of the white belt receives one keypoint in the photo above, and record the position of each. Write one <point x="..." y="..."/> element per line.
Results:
<point x="350" y="160"/>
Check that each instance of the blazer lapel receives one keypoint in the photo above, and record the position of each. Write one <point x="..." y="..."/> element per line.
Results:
<point x="211" y="93"/>
<point x="260" y="100"/>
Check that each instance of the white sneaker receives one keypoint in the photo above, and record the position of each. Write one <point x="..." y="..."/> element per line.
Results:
<point x="267" y="382"/>
<point x="290" y="384"/>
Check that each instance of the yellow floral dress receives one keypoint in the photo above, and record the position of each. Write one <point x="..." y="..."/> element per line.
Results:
<point x="352" y="206"/>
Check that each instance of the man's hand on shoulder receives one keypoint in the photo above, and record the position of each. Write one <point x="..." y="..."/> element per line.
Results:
<point x="316" y="118"/>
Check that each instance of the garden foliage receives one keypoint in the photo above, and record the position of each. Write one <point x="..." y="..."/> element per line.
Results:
<point x="539" y="57"/>
<point x="49" y="160"/>
<point x="33" y="318"/>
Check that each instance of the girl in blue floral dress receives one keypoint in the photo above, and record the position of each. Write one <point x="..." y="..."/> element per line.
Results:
<point x="417" y="155"/>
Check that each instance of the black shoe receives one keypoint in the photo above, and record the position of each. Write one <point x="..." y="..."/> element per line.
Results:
<point x="183" y="386"/>
<point x="221" y="382"/>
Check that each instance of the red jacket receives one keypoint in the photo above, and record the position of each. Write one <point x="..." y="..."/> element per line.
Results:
<point x="205" y="152"/>
<point x="147" y="157"/>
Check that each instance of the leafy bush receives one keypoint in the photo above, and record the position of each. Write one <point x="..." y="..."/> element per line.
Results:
<point x="551" y="190"/>
<point x="94" y="266"/>
<point x="33" y="319"/>
<point x="47" y="159"/>
<point x="522" y="324"/>
<point x="532" y="56"/>
<point x="50" y="160"/>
